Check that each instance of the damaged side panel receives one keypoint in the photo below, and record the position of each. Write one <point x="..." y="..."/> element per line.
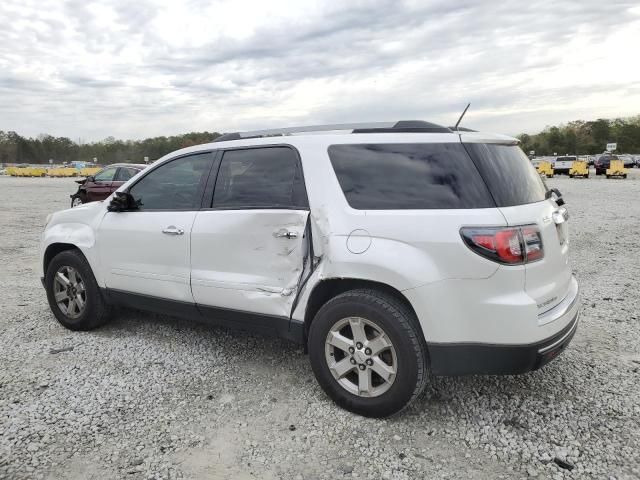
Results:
<point x="248" y="260"/>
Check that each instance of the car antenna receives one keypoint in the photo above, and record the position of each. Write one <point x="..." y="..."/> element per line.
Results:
<point x="460" y="119"/>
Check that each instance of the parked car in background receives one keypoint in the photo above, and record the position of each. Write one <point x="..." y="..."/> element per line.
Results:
<point x="603" y="162"/>
<point x="628" y="160"/>
<point x="388" y="251"/>
<point x="562" y="165"/>
<point x="104" y="183"/>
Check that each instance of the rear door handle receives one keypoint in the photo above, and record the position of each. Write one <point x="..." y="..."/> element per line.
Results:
<point x="172" y="230"/>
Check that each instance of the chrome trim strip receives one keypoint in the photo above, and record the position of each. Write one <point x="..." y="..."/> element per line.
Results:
<point x="544" y="350"/>
<point x="563" y="307"/>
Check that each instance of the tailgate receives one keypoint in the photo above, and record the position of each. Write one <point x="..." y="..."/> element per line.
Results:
<point x="547" y="280"/>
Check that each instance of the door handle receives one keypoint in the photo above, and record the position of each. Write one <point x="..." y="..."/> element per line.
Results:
<point x="172" y="230"/>
<point x="284" y="233"/>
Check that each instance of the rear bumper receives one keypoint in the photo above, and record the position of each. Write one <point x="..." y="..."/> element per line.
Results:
<point x="470" y="359"/>
<point x="471" y="330"/>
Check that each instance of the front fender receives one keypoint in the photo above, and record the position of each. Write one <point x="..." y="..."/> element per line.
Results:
<point x="80" y="236"/>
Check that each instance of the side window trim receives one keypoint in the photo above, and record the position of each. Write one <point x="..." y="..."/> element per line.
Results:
<point x="207" y="196"/>
<point x="201" y="188"/>
<point x="218" y="163"/>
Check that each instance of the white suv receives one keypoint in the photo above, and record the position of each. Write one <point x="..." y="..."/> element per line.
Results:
<point x="387" y="250"/>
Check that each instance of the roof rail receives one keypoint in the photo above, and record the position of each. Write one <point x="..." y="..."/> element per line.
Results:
<point x="416" y="126"/>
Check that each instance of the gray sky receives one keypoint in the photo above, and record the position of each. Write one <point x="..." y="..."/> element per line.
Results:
<point x="138" y="68"/>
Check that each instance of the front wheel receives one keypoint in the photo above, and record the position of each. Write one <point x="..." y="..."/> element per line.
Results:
<point x="368" y="353"/>
<point x="77" y="200"/>
<point x="73" y="293"/>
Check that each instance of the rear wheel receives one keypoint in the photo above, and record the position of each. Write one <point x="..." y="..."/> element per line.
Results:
<point x="73" y="293"/>
<point x="368" y="353"/>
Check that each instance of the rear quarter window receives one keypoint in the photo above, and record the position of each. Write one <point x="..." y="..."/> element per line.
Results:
<point x="408" y="176"/>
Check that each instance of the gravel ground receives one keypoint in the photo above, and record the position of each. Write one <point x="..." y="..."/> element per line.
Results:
<point x="155" y="397"/>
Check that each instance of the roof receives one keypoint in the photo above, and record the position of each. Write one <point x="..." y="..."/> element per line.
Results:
<point x="134" y="165"/>
<point x="404" y="131"/>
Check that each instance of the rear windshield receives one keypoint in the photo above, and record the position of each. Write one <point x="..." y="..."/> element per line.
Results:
<point x="508" y="173"/>
<point x="566" y="159"/>
<point x="409" y="176"/>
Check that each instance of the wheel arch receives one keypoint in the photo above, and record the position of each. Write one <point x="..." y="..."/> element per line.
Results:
<point x="54" y="249"/>
<point x="328" y="288"/>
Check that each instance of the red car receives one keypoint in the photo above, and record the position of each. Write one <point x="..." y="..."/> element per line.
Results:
<point x="104" y="183"/>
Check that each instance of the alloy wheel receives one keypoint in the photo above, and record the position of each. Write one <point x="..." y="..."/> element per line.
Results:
<point x="69" y="291"/>
<point x="361" y="357"/>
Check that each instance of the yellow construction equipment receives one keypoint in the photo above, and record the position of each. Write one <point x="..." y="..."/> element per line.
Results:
<point x="63" y="172"/>
<point x="546" y="169"/>
<point x="89" y="171"/>
<point x="579" y="168"/>
<point x="12" y="171"/>
<point x="616" y="169"/>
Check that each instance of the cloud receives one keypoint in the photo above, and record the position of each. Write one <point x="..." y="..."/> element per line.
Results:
<point x="135" y="69"/>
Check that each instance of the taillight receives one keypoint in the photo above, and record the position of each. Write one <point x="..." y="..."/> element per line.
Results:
<point x="507" y="245"/>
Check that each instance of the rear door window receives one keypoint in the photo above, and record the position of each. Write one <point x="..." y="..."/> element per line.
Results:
<point x="508" y="173"/>
<point x="125" y="173"/>
<point x="408" y="176"/>
<point x="268" y="177"/>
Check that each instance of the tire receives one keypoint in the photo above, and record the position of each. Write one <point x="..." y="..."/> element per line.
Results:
<point x="95" y="311"/>
<point x="78" y="197"/>
<point x="406" y="355"/>
<point x="624" y="175"/>
<point x="608" y="176"/>
<point x="570" y="175"/>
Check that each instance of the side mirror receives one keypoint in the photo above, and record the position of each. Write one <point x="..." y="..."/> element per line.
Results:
<point x="91" y="178"/>
<point x="123" y="202"/>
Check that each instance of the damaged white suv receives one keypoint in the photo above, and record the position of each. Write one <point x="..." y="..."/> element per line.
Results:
<point x="388" y="250"/>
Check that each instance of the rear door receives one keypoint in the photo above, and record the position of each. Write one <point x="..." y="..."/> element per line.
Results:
<point x="248" y="249"/>
<point x="520" y="195"/>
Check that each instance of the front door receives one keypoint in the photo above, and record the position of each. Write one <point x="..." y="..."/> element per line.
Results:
<point x="146" y="251"/>
<point x="100" y="187"/>
<point x="248" y="249"/>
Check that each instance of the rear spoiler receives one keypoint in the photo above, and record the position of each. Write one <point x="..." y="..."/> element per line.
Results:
<point x="480" y="137"/>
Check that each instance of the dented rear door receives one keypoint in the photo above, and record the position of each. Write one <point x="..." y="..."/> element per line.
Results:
<point x="248" y="260"/>
<point x="248" y="250"/>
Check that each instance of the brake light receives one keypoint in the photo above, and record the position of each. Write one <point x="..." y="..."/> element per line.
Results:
<point x="507" y="245"/>
<point x="532" y="243"/>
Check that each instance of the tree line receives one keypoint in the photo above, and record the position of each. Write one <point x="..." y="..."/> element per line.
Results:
<point x="585" y="138"/>
<point x="17" y="149"/>
<point x="577" y="137"/>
